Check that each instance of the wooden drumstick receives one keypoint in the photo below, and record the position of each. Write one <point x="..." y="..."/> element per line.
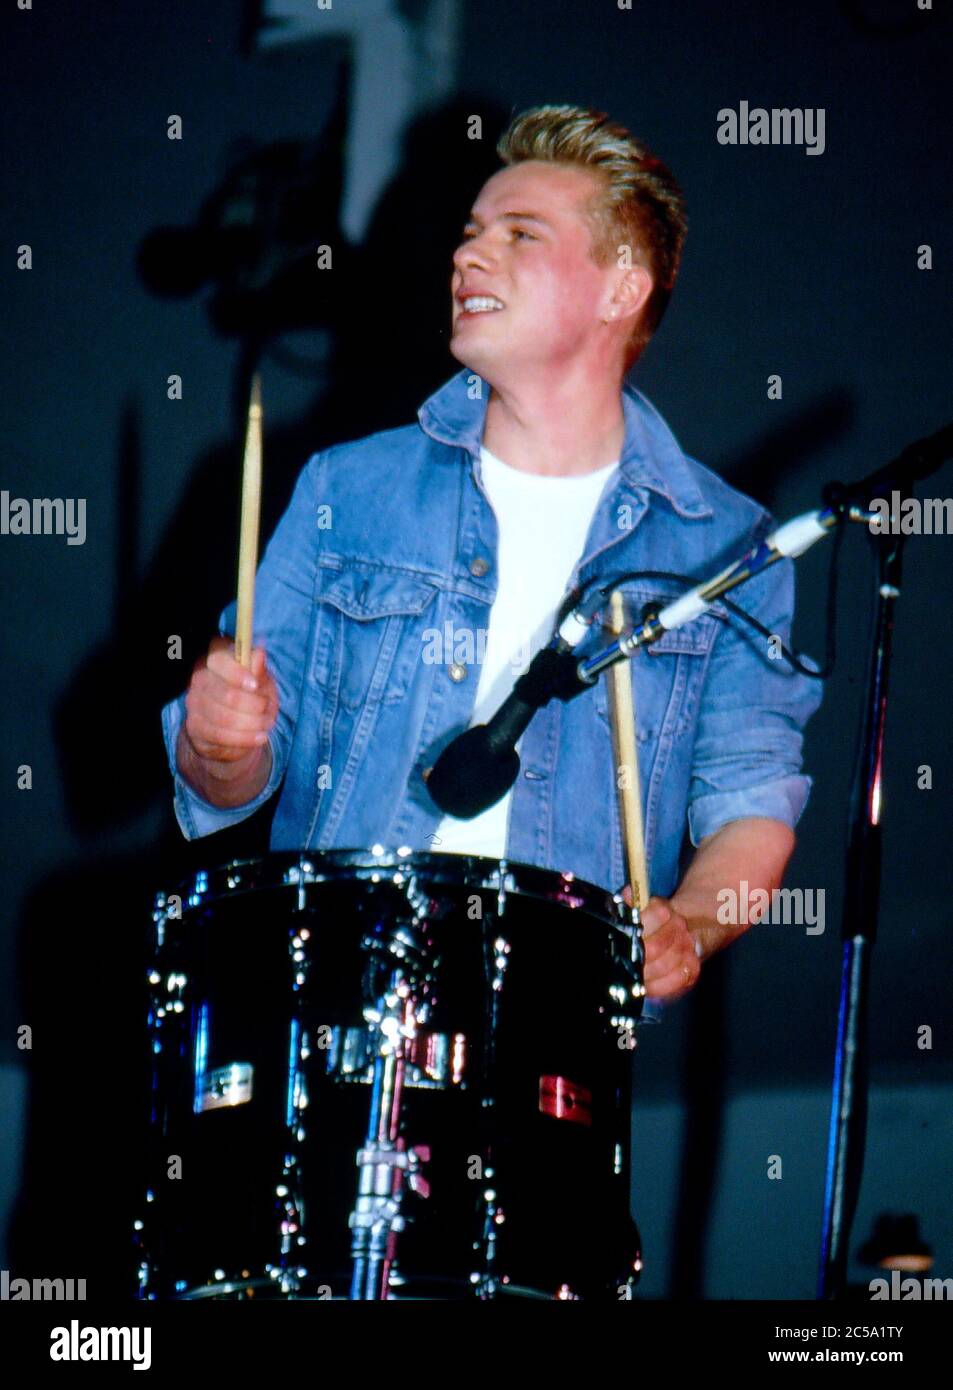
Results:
<point x="248" y="545"/>
<point x="622" y="715"/>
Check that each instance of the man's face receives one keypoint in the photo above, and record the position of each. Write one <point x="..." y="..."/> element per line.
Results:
<point x="527" y="248"/>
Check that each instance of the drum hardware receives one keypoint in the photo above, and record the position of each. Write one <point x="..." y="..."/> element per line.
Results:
<point x="438" y="1037"/>
<point x="384" y="1162"/>
<point x="565" y="1100"/>
<point x="229" y="1085"/>
<point x="487" y="1284"/>
<point x="632" y="929"/>
<point x="431" y="1061"/>
<point x="377" y="1216"/>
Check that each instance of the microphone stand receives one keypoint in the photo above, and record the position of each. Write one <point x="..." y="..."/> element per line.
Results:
<point x="847" y="1132"/>
<point x="848" y="1121"/>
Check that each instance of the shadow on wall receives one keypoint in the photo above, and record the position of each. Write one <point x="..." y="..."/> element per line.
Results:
<point x="388" y="319"/>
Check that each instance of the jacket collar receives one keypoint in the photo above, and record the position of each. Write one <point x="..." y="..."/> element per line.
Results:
<point x="651" y="457"/>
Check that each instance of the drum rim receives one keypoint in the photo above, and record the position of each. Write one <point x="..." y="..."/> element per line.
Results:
<point x="275" y="870"/>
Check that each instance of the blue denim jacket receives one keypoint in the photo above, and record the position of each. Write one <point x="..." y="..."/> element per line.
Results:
<point x="390" y="537"/>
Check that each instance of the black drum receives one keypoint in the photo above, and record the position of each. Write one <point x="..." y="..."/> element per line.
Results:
<point x="390" y="1075"/>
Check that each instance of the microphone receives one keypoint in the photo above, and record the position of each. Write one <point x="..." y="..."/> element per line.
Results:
<point x="787" y="542"/>
<point x="918" y="460"/>
<point x="479" y="766"/>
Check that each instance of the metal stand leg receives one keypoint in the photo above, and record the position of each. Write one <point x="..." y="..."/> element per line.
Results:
<point x="386" y="1167"/>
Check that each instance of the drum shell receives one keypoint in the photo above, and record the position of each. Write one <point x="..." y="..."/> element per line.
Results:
<point x="516" y="1085"/>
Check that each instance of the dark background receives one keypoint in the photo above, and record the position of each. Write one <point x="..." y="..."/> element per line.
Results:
<point x="800" y="265"/>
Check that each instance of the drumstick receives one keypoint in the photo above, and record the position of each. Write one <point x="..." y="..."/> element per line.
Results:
<point x="248" y="545"/>
<point x="622" y="715"/>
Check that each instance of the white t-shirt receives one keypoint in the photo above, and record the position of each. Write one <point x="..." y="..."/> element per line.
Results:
<point x="543" y="523"/>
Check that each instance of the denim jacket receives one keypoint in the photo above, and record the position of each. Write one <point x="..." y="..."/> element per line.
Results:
<point x="391" y="537"/>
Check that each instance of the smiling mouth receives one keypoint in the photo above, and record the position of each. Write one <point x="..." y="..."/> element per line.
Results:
<point x="480" y="304"/>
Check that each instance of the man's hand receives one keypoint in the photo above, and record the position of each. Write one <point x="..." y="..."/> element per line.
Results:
<point x="229" y="710"/>
<point x="672" y="965"/>
<point x="755" y="850"/>
<point x="223" y="745"/>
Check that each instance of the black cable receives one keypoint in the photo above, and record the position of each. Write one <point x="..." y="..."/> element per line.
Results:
<point x="791" y="657"/>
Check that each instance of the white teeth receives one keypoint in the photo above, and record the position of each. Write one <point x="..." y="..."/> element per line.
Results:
<point x="481" y="304"/>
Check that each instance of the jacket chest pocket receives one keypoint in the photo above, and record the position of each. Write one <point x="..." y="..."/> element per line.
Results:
<point x="667" y="681"/>
<point x="367" y="646"/>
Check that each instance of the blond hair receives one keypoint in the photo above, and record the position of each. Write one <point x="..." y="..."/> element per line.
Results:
<point x="640" y="204"/>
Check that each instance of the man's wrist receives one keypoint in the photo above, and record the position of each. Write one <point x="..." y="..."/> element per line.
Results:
<point x="708" y="935"/>
<point x="207" y="775"/>
<point x="711" y="936"/>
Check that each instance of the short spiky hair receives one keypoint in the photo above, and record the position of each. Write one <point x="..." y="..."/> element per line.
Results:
<point x="641" y="205"/>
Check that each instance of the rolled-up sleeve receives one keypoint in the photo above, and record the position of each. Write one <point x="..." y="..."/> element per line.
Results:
<point x="284" y="604"/>
<point x="748" y="746"/>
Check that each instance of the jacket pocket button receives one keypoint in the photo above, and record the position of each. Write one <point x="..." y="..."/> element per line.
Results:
<point x="456" y="672"/>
